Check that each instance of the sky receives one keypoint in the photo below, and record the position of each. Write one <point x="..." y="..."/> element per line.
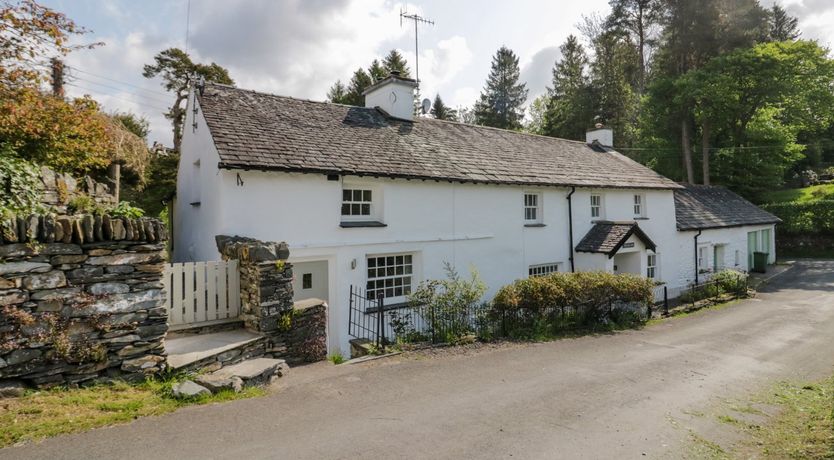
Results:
<point x="299" y="48"/>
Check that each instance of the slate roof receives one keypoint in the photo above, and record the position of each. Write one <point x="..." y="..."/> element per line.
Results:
<point x="608" y="237"/>
<point x="699" y="207"/>
<point x="254" y="130"/>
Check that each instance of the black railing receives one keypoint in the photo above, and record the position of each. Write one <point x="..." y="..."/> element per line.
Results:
<point x="366" y="317"/>
<point x="715" y="288"/>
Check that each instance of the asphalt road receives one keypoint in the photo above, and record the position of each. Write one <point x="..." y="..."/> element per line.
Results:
<point x="611" y="396"/>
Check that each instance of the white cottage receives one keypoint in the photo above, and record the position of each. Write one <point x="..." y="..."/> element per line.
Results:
<point x="374" y="198"/>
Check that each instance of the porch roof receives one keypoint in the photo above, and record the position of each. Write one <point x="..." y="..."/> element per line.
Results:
<point x="608" y="237"/>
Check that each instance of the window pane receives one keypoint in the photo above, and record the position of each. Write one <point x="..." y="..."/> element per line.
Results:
<point x="366" y="210"/>
<point x="372" y="262"/>
<point x="355" y="209"/>
<point x="346" y="195"/>
<point x="366" y="195"/>
<point x="408" y="259"/>
<point x="345" y="209"/>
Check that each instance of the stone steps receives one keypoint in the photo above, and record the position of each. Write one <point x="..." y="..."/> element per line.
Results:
<point x="252" y="372"/>
<point x="213" y="351"/>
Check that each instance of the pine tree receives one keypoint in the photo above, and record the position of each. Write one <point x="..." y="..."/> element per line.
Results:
<point x="501" y="101"/>
<point x="615" y="71"/>
<point x="337" y="93"/>
<point x="356" y="87"/>
<point x="395" y="62"/>
<point x="637" y="18"/>
<point x="377" y="71"/>
<point x="441" y="111"/>
<point x="783" y="27"/>
<point x="569" y="107"/>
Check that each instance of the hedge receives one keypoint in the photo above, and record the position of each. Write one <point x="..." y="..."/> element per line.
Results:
<point x="813" y="217"/>
<point x="583" y="299"/>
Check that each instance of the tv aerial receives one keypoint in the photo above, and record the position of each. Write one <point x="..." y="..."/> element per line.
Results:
<point x="417" y="21"/>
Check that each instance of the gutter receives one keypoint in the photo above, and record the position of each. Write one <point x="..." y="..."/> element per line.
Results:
<point x="696" y="255"/>
<point x="570" y="227"/>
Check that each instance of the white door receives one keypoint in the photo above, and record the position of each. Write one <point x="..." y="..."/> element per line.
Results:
<point x="310" y="280"/>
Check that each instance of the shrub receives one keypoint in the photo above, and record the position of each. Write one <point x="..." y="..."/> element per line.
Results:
<point x="124" y="209"/>
<point x="20" y="184"/>
<point x="565" y="300"/>
<point x="446" y="305"/>
<point x="799" y="218"/>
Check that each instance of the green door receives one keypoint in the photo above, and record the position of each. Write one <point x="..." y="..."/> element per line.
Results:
<point x="752" y="244"/>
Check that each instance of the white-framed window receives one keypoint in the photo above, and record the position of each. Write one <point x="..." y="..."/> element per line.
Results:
<point x="390" y="275"/>
<point x="542" y="269"/>
<point x="639" y="206"/>
<point x="532" y="208"/>
<point x="357" y="203"/>
<point x="651" y="266"/>
<point x="596" y="206"/>
<point x="702" y="258"/>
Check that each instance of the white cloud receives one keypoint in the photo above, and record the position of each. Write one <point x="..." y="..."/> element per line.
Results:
<point x="441" y="64"/>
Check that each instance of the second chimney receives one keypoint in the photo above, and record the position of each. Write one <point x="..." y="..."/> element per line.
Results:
<point x="394" y="95"/>
<point x="601" y="134"/>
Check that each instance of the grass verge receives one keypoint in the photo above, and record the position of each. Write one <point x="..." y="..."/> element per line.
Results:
<point x="803" y="427"/>
<point x="42" y="414"/>
<point x="803" y="195"/>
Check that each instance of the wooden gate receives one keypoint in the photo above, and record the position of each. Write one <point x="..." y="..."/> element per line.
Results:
<point x="202" y="293"/>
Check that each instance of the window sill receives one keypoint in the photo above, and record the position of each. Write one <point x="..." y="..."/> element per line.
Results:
<point x="362" y="224"/>
<point x="535" y="225"/>
<point x="196" y="203"/>
<point x="641" y="218"/>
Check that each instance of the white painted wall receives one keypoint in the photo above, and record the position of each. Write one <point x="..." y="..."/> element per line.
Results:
<point x="395" y="97"/>
<point x="733" y="239"/>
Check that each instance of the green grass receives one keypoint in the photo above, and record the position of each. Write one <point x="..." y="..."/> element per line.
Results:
<point x="812" y="193"/>
<point x="336" y="358"/>
<point x="803" y="427"/>
<point x="42" y="414"/>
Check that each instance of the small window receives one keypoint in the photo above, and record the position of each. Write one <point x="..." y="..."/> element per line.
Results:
<point x="596" y="205"/>
<point x="702" y="258"/>
<point x="638" y="206"/>
<point x="542" y="269"/>
<point x="307" y="281"/>
<point x="532" y="208"/>
<point x="356" y="202"/>
<point x="390" y="276"/>
<point x="651" y="266"/>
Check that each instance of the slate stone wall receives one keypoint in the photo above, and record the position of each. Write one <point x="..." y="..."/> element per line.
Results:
<point x="81" y="299"/>
<point x="59" y="189"/>
<point x="296" y="332"/>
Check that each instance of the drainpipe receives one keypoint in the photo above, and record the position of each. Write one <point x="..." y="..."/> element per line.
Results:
<point x="570" y="227"/>
<point x="696" y="255"/>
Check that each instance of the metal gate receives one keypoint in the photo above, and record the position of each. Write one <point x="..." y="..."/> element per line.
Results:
<point x="366" y="318"/>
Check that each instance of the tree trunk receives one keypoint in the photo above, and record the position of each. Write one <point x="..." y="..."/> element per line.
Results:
<point x="687" y="151"/>
<point x="705" y="133"/>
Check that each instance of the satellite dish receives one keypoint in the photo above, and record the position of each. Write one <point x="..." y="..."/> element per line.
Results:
<point x="426" y="106"/>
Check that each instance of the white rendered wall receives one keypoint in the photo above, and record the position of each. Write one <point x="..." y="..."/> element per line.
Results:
<point x="733" y="238"/>
<point x="394" y="97"/>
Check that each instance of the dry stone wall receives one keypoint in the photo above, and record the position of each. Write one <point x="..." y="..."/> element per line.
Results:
<point x="295" y="332"/>
<point x="81" y="299"/>
<point x="59" y="189"/>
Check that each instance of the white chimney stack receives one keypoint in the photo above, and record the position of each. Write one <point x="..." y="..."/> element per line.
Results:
<point x="393" y="95"/>
<point x="601" y="134"/>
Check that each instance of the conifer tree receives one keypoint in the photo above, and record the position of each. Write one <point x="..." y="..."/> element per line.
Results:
<point x="377" y="71"/>
<point x="441" y="111"/>
<point x="337" y="93"/>
<point x="395" y="61"/>
<point x="501" y="102"/>
<point x="783" y="27"/>
<point x="569" y="108"/>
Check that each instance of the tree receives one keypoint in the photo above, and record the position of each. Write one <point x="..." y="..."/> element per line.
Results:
<point x="138" y="125"/>
<point x="501" y="102"/>
<point x="31" y="34"/>
<point x="638" y="18"/>
<point x="569" y="110"/>
<point x="69" y="136"/>
<point x="614" y="84"/>
<point x="395" y="62"/>
<point x="337" y="93"/>
<point x="755" y="99"/>
<point x="537" y="115"/>
<point x="441" y="111"/>
<point x="178" y="73"/>
<point x="783" y="27"/>
<point x="356" y="87"/>
<point x="377" y="72"/>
